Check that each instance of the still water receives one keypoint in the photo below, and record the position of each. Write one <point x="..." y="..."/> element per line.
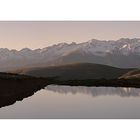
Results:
<point x="66" y="102"/>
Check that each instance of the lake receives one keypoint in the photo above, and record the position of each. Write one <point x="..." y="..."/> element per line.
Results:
<point x="77" y="102"/>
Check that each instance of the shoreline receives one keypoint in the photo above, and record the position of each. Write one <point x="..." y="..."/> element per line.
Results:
<point x="16" y="89"/>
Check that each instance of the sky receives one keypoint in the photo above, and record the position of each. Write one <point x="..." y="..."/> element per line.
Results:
<point x="40" y="34"/>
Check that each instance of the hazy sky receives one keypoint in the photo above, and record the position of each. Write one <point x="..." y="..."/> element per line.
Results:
<point x="35" y="34"/>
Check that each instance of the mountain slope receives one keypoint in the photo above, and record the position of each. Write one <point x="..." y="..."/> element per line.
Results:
<point x="134" y="74"/>
<point x="76" y="71"/>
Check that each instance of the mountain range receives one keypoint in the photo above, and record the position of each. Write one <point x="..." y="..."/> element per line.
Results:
<point x="122" y="53"/>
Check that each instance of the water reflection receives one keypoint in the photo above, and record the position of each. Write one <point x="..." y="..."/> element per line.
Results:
<point x="95" y="91"/>
<point x="67" y="102"/>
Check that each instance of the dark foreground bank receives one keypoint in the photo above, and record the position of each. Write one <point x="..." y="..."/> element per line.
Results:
<point x="14" y="89"/>
<point x="135" y="83"/>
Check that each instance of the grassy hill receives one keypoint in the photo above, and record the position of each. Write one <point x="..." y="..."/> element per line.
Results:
<point x="77" y="71"/>
<point x="4" y="75"/>
<point x="134" y="74"/>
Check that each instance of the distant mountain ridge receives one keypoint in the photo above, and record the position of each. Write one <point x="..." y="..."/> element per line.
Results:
<point x="77" y="71"/>
<point x="123" y="53"/>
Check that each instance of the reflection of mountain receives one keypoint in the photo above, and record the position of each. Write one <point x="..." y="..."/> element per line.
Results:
<point x="95" y="91"/>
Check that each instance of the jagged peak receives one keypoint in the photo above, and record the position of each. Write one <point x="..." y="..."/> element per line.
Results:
<point x="25" y="49"/>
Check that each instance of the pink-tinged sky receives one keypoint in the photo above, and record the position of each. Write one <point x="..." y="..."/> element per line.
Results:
<point x="40" y="34"/>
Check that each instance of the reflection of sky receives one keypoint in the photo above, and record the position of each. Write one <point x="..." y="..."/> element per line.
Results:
<point x="95" y="91"/>
<point x="41" y="34"/>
